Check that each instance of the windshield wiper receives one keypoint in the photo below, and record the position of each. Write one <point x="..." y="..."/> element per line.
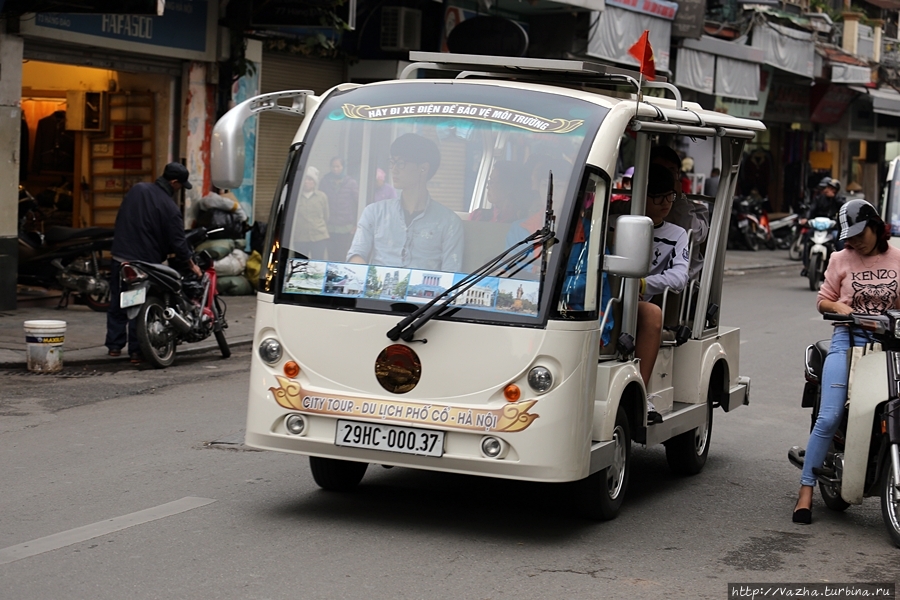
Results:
<point x="545" y="236"/>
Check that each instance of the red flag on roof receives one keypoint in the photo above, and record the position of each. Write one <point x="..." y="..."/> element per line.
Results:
<point x="643" y="53"/>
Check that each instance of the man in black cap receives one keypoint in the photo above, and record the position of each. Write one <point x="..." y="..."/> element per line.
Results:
<point x="149" y="227"/>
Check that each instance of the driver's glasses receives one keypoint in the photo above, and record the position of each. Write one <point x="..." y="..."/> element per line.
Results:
<point x="660" y="199"/>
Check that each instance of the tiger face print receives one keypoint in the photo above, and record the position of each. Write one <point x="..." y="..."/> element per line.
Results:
<point x="873" y="298"/>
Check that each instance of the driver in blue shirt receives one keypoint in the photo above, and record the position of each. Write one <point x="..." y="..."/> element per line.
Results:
<point x="413" y="230"/>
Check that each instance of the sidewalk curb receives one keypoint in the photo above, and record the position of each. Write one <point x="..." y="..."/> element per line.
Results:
<point x="737" y="269"/>
<point x="204" y="346"/>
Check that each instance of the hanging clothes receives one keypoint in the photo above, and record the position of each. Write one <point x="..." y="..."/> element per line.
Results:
<point x="54" y="147"/>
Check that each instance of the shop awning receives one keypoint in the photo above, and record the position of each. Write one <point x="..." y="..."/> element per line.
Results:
<point x="785" y="48"/>
<point x="621" y="25"/>
<point x="719" y="67"/>
<point x="885" y="101"/>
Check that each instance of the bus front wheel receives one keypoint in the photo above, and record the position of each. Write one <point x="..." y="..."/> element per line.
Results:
<point x="336" y="475"/>
<point x="601" y="494"/>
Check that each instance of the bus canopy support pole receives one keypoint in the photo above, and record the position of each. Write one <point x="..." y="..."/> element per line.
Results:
<point x="638" y="203"/>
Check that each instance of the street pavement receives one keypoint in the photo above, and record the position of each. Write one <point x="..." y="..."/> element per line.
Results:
<point x="86" y="332"/>
<point x="86" y="329"/>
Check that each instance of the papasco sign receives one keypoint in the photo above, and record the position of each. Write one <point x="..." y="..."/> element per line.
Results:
<point x="510" y="418"/>
<point x="478" y="112"/>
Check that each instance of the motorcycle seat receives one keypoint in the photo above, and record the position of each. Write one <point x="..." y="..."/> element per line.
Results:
<point x="164" y="269"/>
<point x="59" y="234"/>
<point x="815" y="358"/>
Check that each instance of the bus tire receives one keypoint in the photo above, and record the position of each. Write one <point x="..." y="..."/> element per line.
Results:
<point x="336" y="475"/>
<point x="600" y="495"/>
<point x="687" y="453"/>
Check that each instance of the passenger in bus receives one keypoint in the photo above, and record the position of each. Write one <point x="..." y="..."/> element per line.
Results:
<point x="311" y="229"/>
<point x="343" y="194"/>
<point x="693" y="216"/>
<point x="668" y="269"/>
<point x="509" y="194"/>
<point x="383" y="190"/>
<point x="413" y="230"/>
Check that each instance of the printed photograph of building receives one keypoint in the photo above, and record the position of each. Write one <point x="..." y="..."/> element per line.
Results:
<point x="425" y="285"/>
<point x="345" y="280"/>
<point x="304" y="276"/>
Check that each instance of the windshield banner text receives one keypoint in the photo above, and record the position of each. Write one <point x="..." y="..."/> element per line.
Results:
<point x="466" y="110"/>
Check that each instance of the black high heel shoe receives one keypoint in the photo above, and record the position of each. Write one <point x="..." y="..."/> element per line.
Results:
<point x="802" y="516"/>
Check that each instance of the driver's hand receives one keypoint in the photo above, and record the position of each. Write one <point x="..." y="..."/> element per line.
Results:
<point x="841" y="308"/>
<point x="196" y="270"/>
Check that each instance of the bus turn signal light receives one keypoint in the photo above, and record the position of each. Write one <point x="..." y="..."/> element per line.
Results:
<point x="291" y="369"/>
<point x="512" y="393"/>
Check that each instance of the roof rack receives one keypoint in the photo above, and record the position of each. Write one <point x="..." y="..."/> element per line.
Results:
<point x="541" y="69"/>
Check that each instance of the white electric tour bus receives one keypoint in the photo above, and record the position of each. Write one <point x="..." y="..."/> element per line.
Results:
<point x="489" y="329"/>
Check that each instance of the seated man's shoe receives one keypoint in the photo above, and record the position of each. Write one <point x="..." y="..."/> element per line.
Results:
<point x="654" y="417"/>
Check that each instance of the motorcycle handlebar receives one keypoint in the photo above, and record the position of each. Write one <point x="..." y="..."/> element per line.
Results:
<point x="837" y="317"/>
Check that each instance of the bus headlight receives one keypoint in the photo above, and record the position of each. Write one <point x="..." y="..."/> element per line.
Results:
<point x="270" y="351"/>
<point x="540" y="379"/>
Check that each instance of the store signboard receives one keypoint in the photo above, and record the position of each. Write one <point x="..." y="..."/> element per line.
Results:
<point x="186" y="30"/>
<point x="655" y="8"/>
<point x="788" y="103"/>
<point x="128" y="7"/>
<point x="830" y="101"/>
<point x="689" y="19"/>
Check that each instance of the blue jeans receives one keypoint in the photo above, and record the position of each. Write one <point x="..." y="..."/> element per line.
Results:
<point x="120" y="330"/>
<point x="834" y="396"/>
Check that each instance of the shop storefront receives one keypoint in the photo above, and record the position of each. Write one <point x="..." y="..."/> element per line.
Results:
<point x="102" y="104"/>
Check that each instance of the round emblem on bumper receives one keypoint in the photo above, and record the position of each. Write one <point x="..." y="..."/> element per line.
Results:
<point x="398" y="369"/>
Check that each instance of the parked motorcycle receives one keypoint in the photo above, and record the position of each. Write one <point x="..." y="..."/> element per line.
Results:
<point x="798" y="234"/>
<point x="749" y="225"/>
<point x="782" y="230"/>
<point x="823" y="233"/>
<point x="172" y="309"/>
<point x="75" y="260"/>
<point x="863" y="459"/>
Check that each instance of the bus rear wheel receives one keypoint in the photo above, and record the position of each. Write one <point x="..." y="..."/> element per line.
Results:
<point x="336" y="475"/>
<point x="600" y="495"/>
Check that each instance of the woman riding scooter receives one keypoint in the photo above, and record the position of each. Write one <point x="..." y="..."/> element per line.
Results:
<point x="861" y="278"/>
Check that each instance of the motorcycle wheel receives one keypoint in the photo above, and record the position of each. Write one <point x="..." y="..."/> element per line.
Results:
<point x="890" y="508"/>
<point x="812" y="272"/>
<point x="831" y="496"/>
<point x="155" y="335"/>
<point x="223" y="344"/>
<point x="770" y="243"/>
<point x="99" y="302"/>
<point x="795" y="250"/>
<point x="751" y="238"/>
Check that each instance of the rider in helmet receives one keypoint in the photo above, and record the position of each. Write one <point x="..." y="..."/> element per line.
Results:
<point x="826" y="203"/>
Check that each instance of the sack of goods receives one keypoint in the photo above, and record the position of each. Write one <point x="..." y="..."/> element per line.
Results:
<point x="236" y="285"/>
<point x="233" y="264"/>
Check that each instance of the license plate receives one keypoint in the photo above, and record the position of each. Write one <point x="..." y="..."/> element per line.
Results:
<point x="742" y="224"/>
<point x="133" y="297"/>
<point x="391" y="438"/>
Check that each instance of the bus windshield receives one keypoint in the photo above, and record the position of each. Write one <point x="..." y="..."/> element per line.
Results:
<point x="402" y="189"/>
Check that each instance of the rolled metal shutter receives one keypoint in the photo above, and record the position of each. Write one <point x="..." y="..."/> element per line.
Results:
<point x="276" y="131"/>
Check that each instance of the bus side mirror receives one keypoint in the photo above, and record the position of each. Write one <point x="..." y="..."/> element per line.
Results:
<point x="227" y="147"/>
<point x="631" y="251"/>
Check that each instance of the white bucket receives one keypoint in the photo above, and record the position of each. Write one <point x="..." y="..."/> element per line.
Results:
<point x="44" y="345"/>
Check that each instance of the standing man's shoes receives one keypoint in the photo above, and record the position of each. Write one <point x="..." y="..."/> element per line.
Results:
<point x="136" y="358"/>
<point x="115" y="353"/>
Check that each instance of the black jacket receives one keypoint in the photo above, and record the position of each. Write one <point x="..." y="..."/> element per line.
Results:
<point x="823" y="206"/>
<point x="149" y="225"/>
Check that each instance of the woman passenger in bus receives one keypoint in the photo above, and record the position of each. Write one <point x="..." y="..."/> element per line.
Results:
<point x="508" y="192"/>
<point x="668" y="269"/>
<point x="413" y="230"/>
<point x="311" y="232"/>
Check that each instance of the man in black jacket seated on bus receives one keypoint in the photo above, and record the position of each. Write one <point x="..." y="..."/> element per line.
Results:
<point x="149" y="227"/>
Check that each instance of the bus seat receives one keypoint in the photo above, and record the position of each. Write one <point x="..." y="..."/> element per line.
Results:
<point x="483" y="241"/>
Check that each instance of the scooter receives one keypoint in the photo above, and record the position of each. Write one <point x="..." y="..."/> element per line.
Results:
<point x="823" y="233"/>
<point x="171" y="309"/>
<point x="863" y="459"/>
<point x="749" y="223"/>
<point x="782" y="231"/>
<point x="75" y="260"/>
